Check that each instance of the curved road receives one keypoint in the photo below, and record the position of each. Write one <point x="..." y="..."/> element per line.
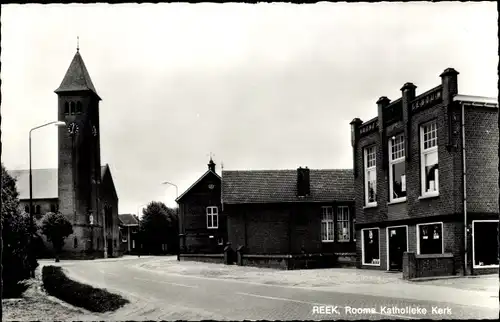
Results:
<point x="156" y="296"/>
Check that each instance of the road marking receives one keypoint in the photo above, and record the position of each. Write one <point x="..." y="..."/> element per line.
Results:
<point x="163" y="282"/>
<point x="312" y="303"/>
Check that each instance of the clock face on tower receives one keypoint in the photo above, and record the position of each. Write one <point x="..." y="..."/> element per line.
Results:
<point x="73" y="128"/>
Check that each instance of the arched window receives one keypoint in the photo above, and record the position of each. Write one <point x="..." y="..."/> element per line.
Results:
<point x="66" y="108"/>
<point x="27" y="209"/>
<point x="52" y="208"/>
<point x="78" y="107"/>
<point x="75" y="243"/>
<point x="72" y="108"/>
<point x="38" y="209"/>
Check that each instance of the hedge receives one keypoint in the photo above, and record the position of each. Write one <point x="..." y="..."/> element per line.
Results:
<point x="57" y="284"/>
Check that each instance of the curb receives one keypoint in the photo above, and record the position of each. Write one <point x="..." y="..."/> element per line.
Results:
<point x="435" y="278"/>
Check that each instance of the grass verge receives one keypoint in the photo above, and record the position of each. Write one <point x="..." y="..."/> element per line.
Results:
<point x="57" y="284"/>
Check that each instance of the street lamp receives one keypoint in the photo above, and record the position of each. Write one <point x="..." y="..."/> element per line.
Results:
<point x="177" y="209"/>
<point x="176" y="188"/>
<point x="32" y="253"/>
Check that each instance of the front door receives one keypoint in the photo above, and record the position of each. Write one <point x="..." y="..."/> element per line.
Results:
<point x="397" y="246"/>
<point x="110" y="247"/>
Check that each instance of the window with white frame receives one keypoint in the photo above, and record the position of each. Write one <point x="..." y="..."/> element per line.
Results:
<point x="429" y="159"/>
<point x="370" y="175"/>
<point x="430" y="238"/>
<point x="397" y="168"/>
<point x="212" y="217"/>
<point x="485" y="243"/>
<point x="370" y="246"/>
<point x="327" y="224"/>
<point x="343" y="227"/>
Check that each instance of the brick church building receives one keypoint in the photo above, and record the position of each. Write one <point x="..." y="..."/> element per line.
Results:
<point x="80" y="188"/>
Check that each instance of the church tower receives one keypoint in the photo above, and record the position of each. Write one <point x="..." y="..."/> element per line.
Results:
<point x="79" y="162"/>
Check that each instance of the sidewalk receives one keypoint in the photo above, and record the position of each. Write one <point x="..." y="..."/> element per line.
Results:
<point x="481" y="291"/>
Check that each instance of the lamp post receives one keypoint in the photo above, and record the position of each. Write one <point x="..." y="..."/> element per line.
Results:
<point x="91" y="220"/>
<point x="32" y="253"/>
<point x="177" y="209"/>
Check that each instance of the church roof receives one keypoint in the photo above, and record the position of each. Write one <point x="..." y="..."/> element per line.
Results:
<point x="77" y="77"/>
<point x="45" y="184"/>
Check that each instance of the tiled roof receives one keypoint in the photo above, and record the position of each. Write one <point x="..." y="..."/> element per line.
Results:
<point x="45" y="184"/>
<point x="128" y="220"/>
<point x="77" y="77"/>
<point x="273" y="186"/>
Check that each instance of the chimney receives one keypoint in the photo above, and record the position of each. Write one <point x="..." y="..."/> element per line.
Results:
<point x="408" y="95"/>
<point x="355" y="125"/>
<point x="303" y="183"/>
<point x="211" y="165"/>
<point x="381" y="105"/>
<point x="449" y="81"/>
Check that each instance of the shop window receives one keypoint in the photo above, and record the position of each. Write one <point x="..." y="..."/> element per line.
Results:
<point x="485" y="243"/>
<point x="371" y="246"/>
<point x="430" y="238"/>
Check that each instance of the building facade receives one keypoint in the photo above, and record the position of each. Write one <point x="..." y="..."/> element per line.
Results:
<point x="202" y="225"/>
<point x="129" y="228"/>
<point x="426" y="179"/>
<point x="80" y="188"/>
<point x="292" y="213"/>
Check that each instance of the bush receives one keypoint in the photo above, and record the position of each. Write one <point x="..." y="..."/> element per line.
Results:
<point x="57" y="284"/>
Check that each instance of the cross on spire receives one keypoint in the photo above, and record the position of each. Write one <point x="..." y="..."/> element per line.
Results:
<point x="77" y="43"/>
<point x="210" y="155"/>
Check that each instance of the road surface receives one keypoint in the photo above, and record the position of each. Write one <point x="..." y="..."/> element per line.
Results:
<point x="157" y="296"/>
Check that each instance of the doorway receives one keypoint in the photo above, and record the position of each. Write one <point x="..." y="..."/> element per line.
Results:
<point x="397" y="240"/>
<point x="110" y="247"/>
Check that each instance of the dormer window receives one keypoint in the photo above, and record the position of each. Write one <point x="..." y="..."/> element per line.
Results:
<point x="78" y="108"/>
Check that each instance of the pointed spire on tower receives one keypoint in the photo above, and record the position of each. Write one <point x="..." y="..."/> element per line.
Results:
<point x="77" y="43"/>
<point x="77" y="77"/>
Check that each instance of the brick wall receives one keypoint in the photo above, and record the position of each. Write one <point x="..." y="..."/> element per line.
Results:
<point x="268" y="230"/>
<point x="482" y="168"/>
<point x="194" y="216"/>
<point x="417" y="266"/>
<point x="481" y="135"/>
<point x="108" y="196"/>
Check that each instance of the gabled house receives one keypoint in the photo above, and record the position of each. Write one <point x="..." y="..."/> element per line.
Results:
<point x="129" y="229"/>
<point x="426" y="182"/>
<point x="202" y="226"/>
<point x="277" y="216"/>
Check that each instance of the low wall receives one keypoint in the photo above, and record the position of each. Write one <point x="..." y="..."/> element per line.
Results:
<point x="298" y="261"/>
<point x="269" y="261"/>
<point x="207" y="258"/>
<point x="485" y="270"/>
<point x="415" y="266"/>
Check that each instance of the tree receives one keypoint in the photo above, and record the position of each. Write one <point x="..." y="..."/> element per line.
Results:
<point x="158" y="226"/>
<point x="15" y="239"/>
<point x="56" y="227"/>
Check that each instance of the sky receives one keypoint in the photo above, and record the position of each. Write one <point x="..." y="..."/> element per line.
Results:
<point x="260" y="86"/>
